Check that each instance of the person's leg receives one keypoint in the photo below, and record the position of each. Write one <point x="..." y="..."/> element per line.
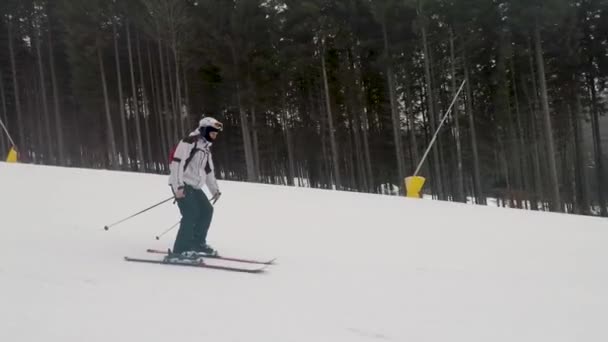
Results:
<point x="189" y="209"/>
<point x="204" y="220"/>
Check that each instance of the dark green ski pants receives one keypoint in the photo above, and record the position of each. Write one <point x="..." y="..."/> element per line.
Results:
<point x="196" y="212"/>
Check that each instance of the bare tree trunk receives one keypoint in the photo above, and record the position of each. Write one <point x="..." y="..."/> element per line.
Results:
<point x="58" y="116"/>
<point x="522" y="155"/>
<point x="3" y="145"/>
<point x="479" y="193"/>
<point x="513" y="148"/>
<point x="437" y="181"/>
<point x="581" y="191"/>
<point x="177" y="87"/>
<point x="556" y="201"/>
<point x="35" y="118"/>
<point x="537" y="161"/>
<point x="165" y="112"/>
<point x="140" y="163"/>
<point x="351" y="182"/>
<point x="145" y="106"/>
<point x="503" y="166"/>
<point x="572" y="165"/>
<point x="288" y="141"/>
<point x="355" y="100"/>
<point x="356" y="131"/>
<point x="254" y="126"/>
<point x="394" y="110"/>
<point x="364" y="130"/>
<point x="367" y="154"/>
<point x="437" y="101"/>
<point x="325" y="164"/>
<point x="256" y="145"/>
<point x="597" y="148"/>
<point x="412" y="128"/>
<point x="567" y="164"/>
<point x="48" y="152"/>
<point x="249" y="161"/>
<point x="334" y="147"/>
<point x="354" y="91"/>
<point x="176" y="116"/>
<point x="158" y="104"/>
<point x="121" y="102"/>
<point x="110" y="127"/>
<point x="314" y="172"/>
<point x="20" y="127"/>
<point x="186" y="97"/>
<point x="460" y="194"/>
<point x="538" y="183"/>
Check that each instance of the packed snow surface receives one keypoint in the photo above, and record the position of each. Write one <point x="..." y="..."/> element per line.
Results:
<point x="351" y="267"/>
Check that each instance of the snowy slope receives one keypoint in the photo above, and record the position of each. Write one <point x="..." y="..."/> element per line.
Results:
<point x="351" y="267"/>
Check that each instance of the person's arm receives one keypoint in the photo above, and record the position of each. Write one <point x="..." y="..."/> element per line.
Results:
<point x="177" y="167"/>
<point x="211" y="181"/>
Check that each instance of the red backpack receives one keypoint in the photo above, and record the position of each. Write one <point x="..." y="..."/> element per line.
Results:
<point x="172" y="154"/>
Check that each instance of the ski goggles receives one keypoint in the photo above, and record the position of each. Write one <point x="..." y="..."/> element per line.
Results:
<point x="218" y="126"/>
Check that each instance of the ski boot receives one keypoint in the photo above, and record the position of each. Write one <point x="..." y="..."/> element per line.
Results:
<point x="183" y="257"/>
<point x="206" y="250"/>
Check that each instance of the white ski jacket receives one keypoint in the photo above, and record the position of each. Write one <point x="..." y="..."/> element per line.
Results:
<point x="199" y="171"/>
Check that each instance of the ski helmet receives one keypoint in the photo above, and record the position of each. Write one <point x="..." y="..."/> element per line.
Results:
<point x="208" y="125"/>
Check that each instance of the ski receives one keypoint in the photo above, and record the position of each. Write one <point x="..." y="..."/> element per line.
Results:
<point x="219" y="257"/>
<point x="198" y="264"/>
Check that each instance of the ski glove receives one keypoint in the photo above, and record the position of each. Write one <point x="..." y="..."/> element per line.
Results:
<point x="215" y="197"/>
<point x="180" y="193"/>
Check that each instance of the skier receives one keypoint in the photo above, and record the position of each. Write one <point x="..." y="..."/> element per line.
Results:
<point x="191" y="168"/>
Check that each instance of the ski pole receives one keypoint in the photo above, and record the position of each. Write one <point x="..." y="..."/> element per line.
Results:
<point x="141" y="212"/>
<point x="166" y="231"/>
<point x="178" y="222"/>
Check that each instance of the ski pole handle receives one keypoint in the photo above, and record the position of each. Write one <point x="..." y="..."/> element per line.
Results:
<point x="215" y="197"/>
<point x="139" y="213"/>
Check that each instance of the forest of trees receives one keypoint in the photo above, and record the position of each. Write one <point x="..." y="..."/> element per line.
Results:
<point x="339" y="94"/>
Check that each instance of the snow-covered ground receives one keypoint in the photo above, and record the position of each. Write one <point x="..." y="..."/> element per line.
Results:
<point x="352" y="267"/>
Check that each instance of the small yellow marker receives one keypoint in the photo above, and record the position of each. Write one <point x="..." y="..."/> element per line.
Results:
<point x="12" y="156"/>
<point x="414" y="185"/>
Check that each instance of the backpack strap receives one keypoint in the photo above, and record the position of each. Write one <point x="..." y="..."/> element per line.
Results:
<point x="193" y="151"/>
<point x="189" y="140"/>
